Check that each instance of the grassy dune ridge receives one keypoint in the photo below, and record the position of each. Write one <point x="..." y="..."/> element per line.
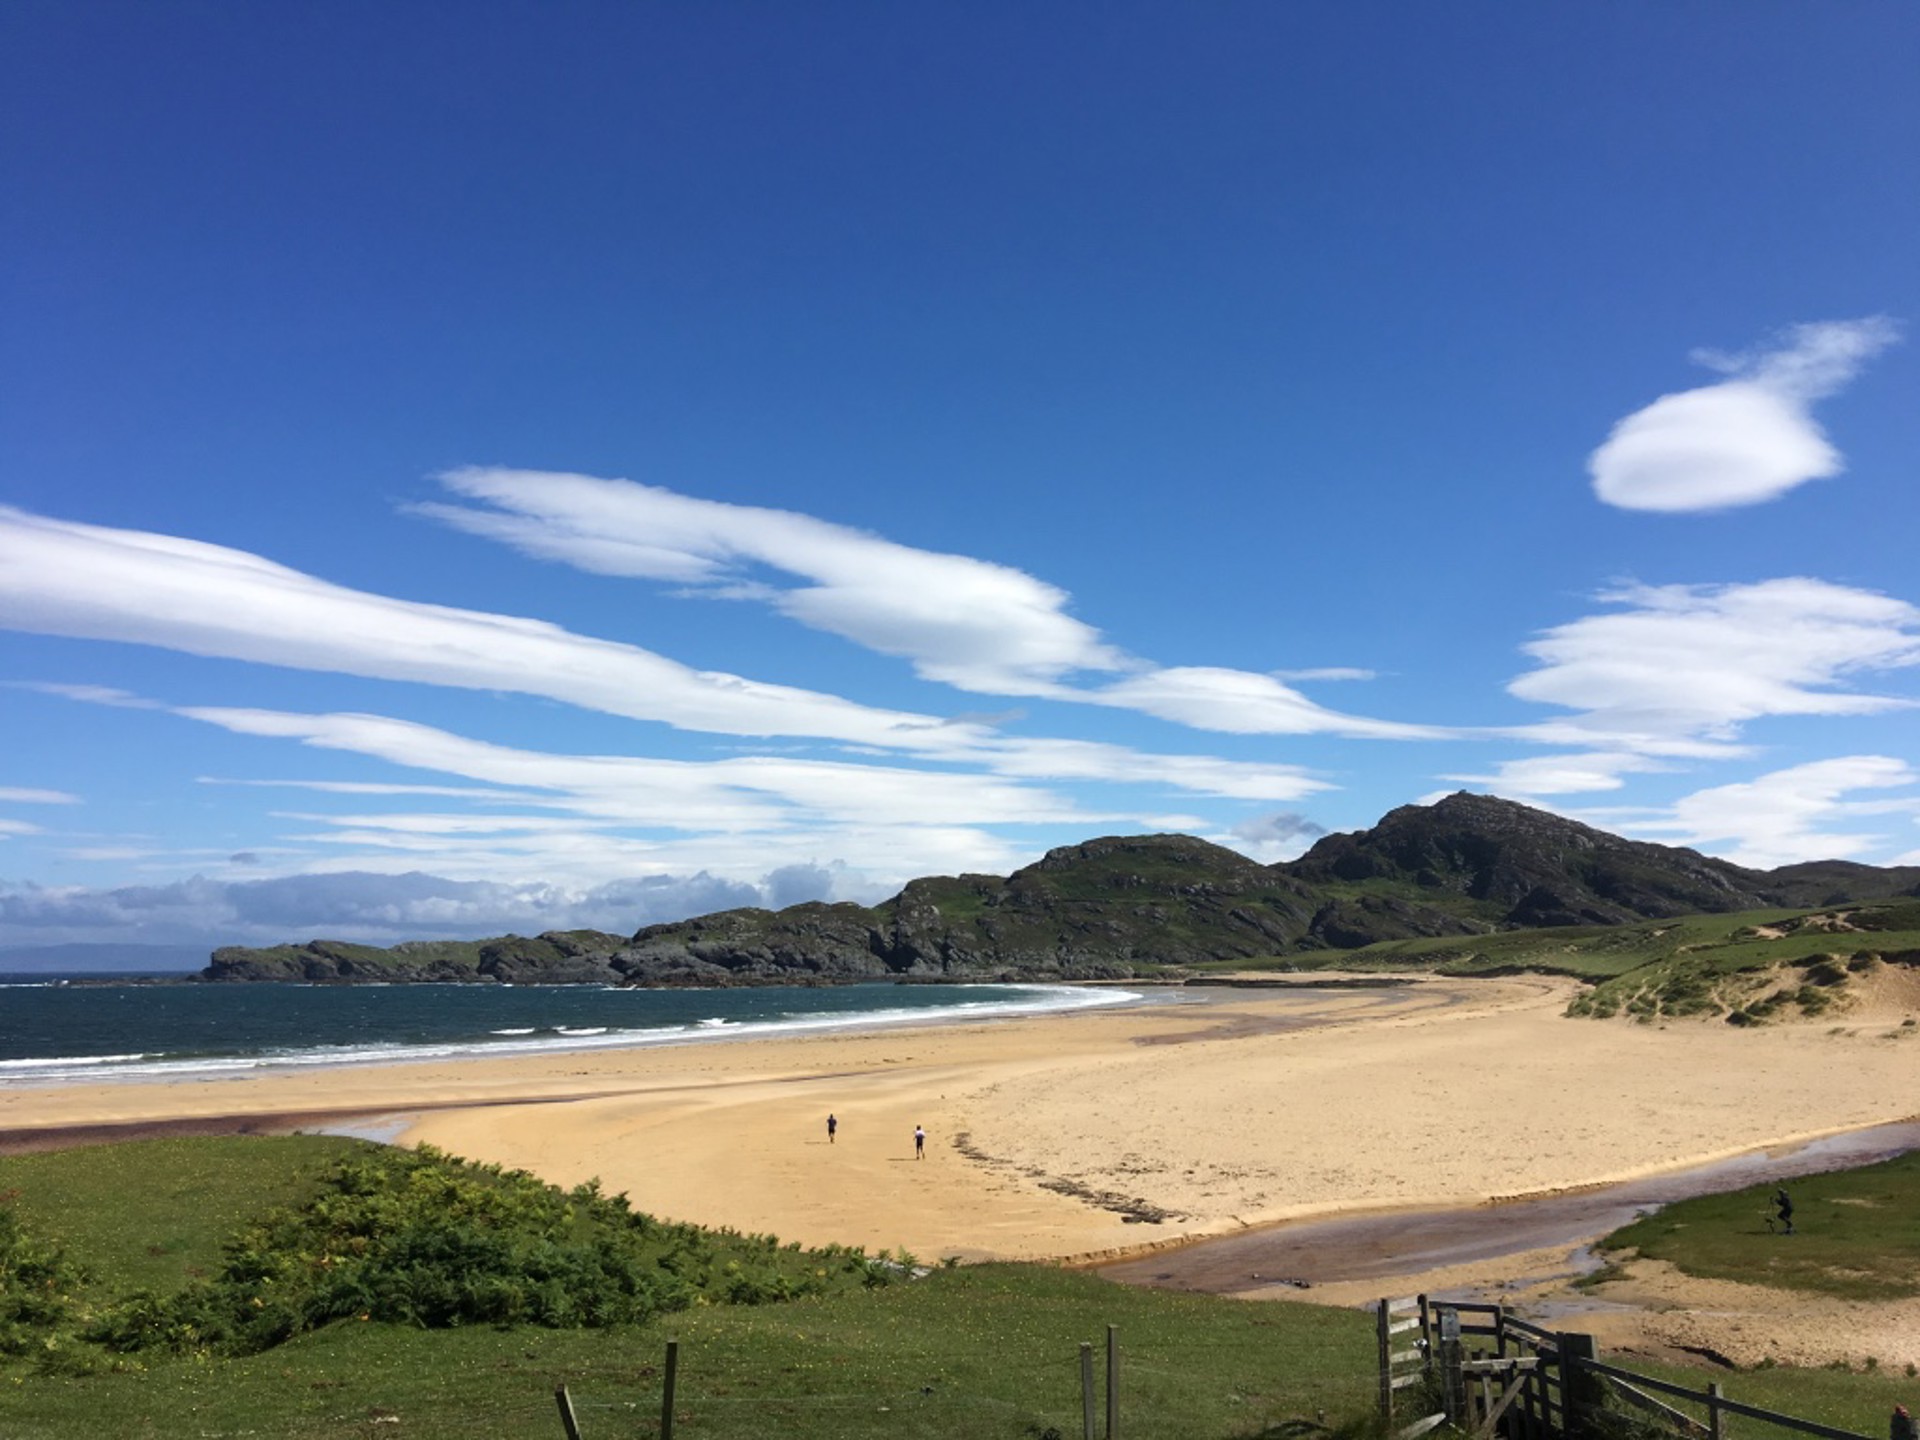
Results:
<point x="1748" y="967"/>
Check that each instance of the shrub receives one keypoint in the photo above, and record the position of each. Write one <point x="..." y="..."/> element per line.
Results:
<point x="417" y="1238"/>
<point x="36" y="1285"/>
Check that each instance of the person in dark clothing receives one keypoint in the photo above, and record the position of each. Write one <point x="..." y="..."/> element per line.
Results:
<point x="1783" y="1203"/>
<point x="832" y="1126"/>
<point x="1902" y="1427"/>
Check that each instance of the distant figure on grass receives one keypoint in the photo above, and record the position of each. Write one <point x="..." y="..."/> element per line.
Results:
<point x="832" y="1126"/>
<point x="1783" y="1202"/>
<point x="919" y="1143"/>
<point x="1901" y="1427"/>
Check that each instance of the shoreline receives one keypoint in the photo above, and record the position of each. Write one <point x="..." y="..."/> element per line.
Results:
<point x="1104" y="1132"/>
<point x="165" y="1068"/>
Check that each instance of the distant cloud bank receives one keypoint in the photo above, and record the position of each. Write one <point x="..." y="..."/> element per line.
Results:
<point x="381" y="909"/>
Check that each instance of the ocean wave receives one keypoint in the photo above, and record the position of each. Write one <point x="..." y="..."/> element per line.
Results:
<point x="529" y="1040"/>
<point x="71" y="1061"/>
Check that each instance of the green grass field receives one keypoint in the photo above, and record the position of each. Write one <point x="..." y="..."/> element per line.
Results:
<point x="1855" y="1234"/>
<point x="988" y="1350"/>
<point x="978" y="1351"/>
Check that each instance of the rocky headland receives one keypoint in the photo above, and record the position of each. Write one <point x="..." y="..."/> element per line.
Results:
<point x="1132" y="906"/>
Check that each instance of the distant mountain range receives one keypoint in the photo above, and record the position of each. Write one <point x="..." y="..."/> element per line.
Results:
<point x="1129" y="906"/>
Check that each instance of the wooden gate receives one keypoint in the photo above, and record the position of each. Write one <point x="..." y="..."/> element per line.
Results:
<point x="1491" y="1374"/>
<point x="1482" y="1369"/>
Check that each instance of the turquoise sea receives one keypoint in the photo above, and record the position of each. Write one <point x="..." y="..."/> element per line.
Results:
<point x="53" y="1028"/>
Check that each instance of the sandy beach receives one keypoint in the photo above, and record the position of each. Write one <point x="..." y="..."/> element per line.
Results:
<point x="1111" y="1133"/>
<point x="1077" y="1134"/>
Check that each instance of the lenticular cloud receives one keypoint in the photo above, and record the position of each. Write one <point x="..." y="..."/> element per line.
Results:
<point x="1750" y="438"/>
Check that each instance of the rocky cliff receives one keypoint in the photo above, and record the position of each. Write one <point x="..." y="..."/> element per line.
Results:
<point x="1131" y="905"/>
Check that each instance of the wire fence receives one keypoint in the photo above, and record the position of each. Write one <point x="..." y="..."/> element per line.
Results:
<point x="1073" y="1390"/>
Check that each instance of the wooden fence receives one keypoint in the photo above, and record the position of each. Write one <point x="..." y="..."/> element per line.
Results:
<point x="1490" y="1373"/>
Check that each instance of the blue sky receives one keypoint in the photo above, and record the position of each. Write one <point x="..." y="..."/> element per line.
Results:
<point x="480" y="467"/>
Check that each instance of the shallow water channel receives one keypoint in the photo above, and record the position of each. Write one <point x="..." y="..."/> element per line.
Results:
<point x="1411" y="1242"/>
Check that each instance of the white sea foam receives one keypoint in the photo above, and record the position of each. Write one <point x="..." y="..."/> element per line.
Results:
<point x="8" y="1067"/>
<point x="1027" y="1000"/>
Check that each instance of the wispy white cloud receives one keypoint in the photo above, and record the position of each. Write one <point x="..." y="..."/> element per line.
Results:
<point x="1561" y="774"/>
<point x="85" y="581"/>
<point x="63" y="578"/>
<point x="1240" y="702"/>
<point x="90" y="694"/>
<point x="962" y="621"/>
<point x="1747" y="439"/>
<point x="978" y="626"/>
<point x="1686" y="662"/>
<point x="28" y="796"/>
<point x="1049" y="759"/>
<point x="754" y="792"/>
<point x="375" y="787"/>
<point x="1677" y="673"/>
<point x="1324" y="672"/>
<point x="1787" y="816"/>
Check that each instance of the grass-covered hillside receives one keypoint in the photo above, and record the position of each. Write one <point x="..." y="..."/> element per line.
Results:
<point x="304" y="1288"/>
<point x="1747" y="968"/>
<point x="309" y="1287"/>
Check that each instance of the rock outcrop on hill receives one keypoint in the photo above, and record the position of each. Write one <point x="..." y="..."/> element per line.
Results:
<point x="1131" y="905"/>
<point x="560" y="957"/>
<point x="1515" y="866"/>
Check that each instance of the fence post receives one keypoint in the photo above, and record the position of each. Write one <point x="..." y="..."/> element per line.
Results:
<point x="1452" y="1356"/>
<point x="1715" y="1424"/>
<point x="1579" y="1389"/>
<point x="1386" y="1362"/>
<point x="1113" y="1383"/>
<point x="666" y="1390"/>
<point x="1086" y="1389"/>
<point x="565" y="1402"/>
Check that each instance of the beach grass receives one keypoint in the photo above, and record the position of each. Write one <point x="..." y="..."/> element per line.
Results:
<point x="1749" y="967"/>
<point x="1854" y="1234"/>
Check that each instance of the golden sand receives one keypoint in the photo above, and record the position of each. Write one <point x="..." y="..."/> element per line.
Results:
<point x="1071" y="1134"/>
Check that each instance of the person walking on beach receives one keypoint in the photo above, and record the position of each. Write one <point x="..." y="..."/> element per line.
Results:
<point x="832" y="1126"/>
<point x="919" y="1143"/>
<point x="1783" y="1202"/>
